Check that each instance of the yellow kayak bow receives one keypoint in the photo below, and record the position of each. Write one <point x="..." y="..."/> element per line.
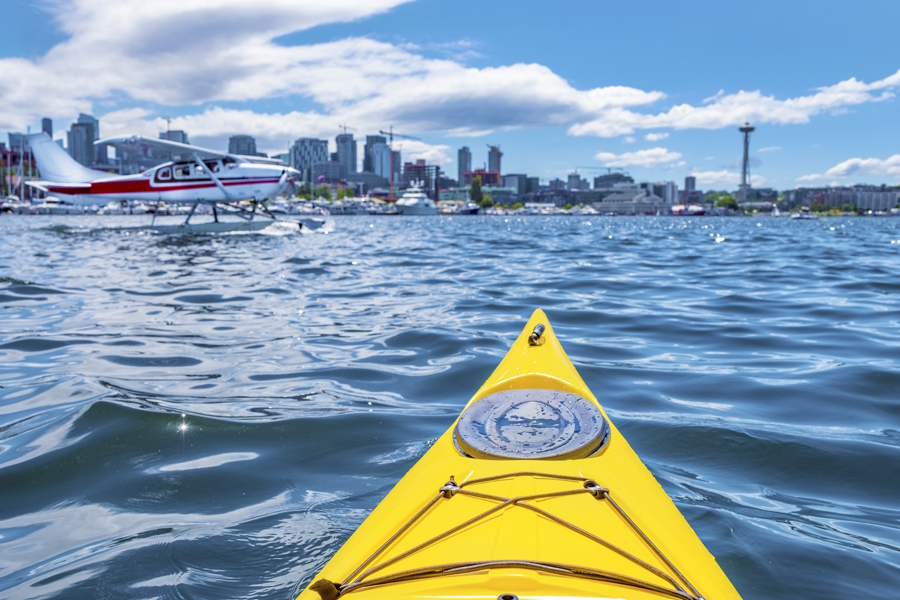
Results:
<point x="532" y="494"/>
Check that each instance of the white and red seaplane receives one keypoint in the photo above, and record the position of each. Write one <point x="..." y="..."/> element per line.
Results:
<point x="194" y="176"/>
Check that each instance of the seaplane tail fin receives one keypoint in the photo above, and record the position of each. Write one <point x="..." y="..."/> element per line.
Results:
<point x="56" y="165"/>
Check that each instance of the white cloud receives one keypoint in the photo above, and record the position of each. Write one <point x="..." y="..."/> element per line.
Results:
<point x="724" y="177"/>
<point x="642" y="158"/>
<point x="724" y="110"/>
<point x="860" y="167"/>
<point x="810" y="177"/>
<point x="128" y="53"/>
<point x="771" y="149"/>
<point x="876" y="167"/>
<point x="628" y="139"/>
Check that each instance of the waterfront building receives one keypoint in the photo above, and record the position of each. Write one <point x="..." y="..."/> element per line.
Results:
<point x="47" y="126"/>
<point x="532" y="185"/>
<point x="305" y="152"/>
<point x="861" y="197"/>
<point x="517" y="182"/>
<point x="501" y="195"/>
<point x="463" y="163"/>
<point x="284" y="157"/>
<point x="366" y="182"/>
<point x="328" y="171"/>
<point x="371" y="142"/>
<point x="556" y="185"/>
<point x="454" y="194"/>
<point x="633" y="202"/>
<point x="244" y="145"/>
<point x="346" y="151"/>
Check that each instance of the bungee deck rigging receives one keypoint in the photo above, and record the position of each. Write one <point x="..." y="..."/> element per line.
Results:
<point x="359" y="579"/>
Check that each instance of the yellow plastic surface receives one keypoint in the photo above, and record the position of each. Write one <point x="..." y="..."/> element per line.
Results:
<point x="517" y="533"/>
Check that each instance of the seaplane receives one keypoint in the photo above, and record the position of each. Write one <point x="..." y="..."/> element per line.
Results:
<point x="194" y="176"/>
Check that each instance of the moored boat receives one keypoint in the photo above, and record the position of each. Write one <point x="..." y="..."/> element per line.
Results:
<point x="532" y="493"/>
<point x="415" y="202"/>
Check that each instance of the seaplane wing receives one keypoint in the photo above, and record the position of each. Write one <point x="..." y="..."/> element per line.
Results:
<point x="142" y="146"/>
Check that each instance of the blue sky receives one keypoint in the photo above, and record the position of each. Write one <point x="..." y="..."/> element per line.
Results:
<point x="558" y="85"/>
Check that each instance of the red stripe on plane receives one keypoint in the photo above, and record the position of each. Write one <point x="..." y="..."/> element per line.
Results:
<point x="143" y="186"/>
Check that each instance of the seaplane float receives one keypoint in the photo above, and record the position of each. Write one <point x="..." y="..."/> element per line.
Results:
<point x="194" y="176"/>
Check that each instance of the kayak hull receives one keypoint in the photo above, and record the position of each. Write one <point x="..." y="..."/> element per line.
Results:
<point x="463" y="527"/>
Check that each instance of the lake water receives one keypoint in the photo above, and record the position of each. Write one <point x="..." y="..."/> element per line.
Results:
<point x="212" y="416"/>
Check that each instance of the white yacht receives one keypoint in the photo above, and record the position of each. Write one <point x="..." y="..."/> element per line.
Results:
<point x="415" y="202"/>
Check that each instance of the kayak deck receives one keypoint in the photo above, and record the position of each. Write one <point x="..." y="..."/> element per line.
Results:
<point x="462" y="527"/>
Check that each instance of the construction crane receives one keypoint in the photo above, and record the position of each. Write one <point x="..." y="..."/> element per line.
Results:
<point x="345" y="127"/>
<point x="391" y="135"/>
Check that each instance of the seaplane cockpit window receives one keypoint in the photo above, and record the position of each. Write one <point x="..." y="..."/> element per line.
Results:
<point x="164" y="174"/>
<point x="190" y="171"/>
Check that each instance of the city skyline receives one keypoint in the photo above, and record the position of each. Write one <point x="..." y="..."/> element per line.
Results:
<point x="825" y="113"/>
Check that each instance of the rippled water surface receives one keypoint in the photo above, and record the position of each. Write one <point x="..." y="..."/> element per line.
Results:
<point x="212" y="416"/>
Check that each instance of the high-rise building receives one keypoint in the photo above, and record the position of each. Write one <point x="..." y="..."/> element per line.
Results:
<point x="371" y="142"/>
<point x="346" y="151"/>
<point x="398" y="166"/>
<point x="533" y="185"/>
<point x="574" y="182"/>
<point x="244" y="145"/>
<point x="305" y="152"/>
<point x="99" y="152"/>
<point x="47" y="126"/>
<point x="380" y="160"/>
<point x="81" y="143"/>
<point x="494" y="156"/>
<point x="175" y="135"/>
<point x="464" y="163"/>
<point x="690" y="184"/>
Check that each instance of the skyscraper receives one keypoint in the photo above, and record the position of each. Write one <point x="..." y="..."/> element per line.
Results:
<point x="81" y="143"/>
<point x="47" y="126"/>
<point x="494" y="155"/>
<point x="99" y="152"/>
<point x="346" y="151"/>
<point x="380" y="160"/>
<point x="371" y="142"/>
<point x="464" y="164"/>
<point x="305" y="152"/>
<point x="690" y="184"/>
<point x="242" y="144"/>
<point x="398" y="166"/>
